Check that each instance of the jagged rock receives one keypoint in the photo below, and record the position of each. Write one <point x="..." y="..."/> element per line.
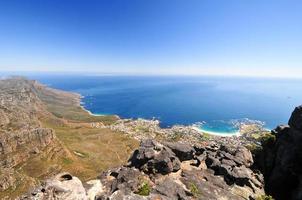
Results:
<point x="295" y="120"/>
<point x="127" y="180"/>
<point x="171" y="189"/>
<point x="244" y="156"/>
<point x="182" y="151"/>
<point x="281" y="161"/>
<point x="63" y="186"/>
<point x="203" y="184"/>
<point x="232" y="164"/>
<point x="152" y="157"/>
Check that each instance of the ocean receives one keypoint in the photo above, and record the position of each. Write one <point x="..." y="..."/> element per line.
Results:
<point x="217" y="104"/>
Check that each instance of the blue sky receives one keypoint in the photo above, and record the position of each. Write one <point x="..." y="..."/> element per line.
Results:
<point x="216" y="37"/>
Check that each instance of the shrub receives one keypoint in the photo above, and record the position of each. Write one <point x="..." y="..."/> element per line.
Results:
<point x="253" y="148"/>
<point x="265" y="197"/>
<point x="144" y="189"/>
<point x="176" y="136"/>
<point x="194" y="190"/>
<point x="67" y="161"/>
<point x="267" y="139"/>
<point x="206" y="136"/>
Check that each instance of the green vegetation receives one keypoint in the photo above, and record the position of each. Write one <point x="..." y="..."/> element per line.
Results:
<point x="265" y="197"/>
<point x="66" y="105"/>
<point x="176" y="137"/>
<point x="267" y="138"/>
<point x="144" y="189"/>
<point x="93" y="150"/>
<point x="67" y="161"/>
<point x="254" y="148"/>
<point x="194" y="190"/>
<point x="264" y="137"/>
<point x="78" y="114"/>
<point x="206" y="136"/>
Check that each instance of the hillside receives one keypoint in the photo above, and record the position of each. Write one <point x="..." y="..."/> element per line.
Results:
<point x="44" y="131"/>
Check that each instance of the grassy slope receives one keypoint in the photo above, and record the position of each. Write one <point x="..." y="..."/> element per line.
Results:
<point x="94" y="149"/>
<point x="67" y="105"/>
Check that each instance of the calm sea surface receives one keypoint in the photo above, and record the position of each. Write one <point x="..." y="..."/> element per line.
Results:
<point x="216" y="101"/>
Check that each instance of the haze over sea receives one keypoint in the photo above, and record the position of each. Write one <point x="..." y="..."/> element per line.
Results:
<point x="218" y="102"/>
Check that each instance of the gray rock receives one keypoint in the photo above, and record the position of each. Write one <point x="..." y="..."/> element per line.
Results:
<point x="152" y="157"/>
<point x="295" y="120"/>
<point x="169" y="189"/>
<point x="281" y="161"/>
<point x="182" y="151"/>
<point x="62" y="186"/>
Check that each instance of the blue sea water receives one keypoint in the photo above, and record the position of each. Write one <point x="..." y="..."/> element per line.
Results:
<point x="215" y="101"/>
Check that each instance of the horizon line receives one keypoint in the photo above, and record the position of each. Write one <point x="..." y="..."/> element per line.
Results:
<point x="99" y="73"/>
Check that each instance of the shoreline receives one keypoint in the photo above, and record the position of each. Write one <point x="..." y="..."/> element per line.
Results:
<point x="81" y="104"/>
<point x="193" y="127"/>
<point x="90" y="113"/>
<point x="222" y="134"/>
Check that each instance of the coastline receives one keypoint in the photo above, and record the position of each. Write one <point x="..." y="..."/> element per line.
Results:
<point x="90" y="113"/>
<point x="81" y="105"/>
<point x="192" y="127"/>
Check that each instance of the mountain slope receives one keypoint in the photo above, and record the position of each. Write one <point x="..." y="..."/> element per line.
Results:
<point x="42" y="132"/>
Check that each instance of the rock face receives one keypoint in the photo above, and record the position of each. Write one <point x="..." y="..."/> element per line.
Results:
<point x="281" y="160"/>
<point x="170" y="171"/>
<point x="153" y="157"/>
<point x="295" y="120"/>
<point x="21" y="133"/>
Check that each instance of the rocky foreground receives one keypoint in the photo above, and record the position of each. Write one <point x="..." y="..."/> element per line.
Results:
<point x="167" y="171"/>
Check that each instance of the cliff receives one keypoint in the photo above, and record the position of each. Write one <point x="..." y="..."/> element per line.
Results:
<point x="281" y="159"/>
<point x="21" y="133"/>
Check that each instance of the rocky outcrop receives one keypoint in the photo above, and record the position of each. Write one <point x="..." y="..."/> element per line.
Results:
<point x="62" y="186"/>
<point x="295" y="120"/>
<point x="170" y="171"/>
<point x="153" y="157"/>
<point x="281" y="160"/>
<point x="16" y="147"/>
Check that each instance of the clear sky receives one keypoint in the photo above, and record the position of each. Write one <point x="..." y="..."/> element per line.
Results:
<point x="217" y="37"/>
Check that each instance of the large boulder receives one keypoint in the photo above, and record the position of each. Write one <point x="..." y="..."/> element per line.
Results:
<point x="183" y="151"/>
<point x="62" y="186"/>
<point x="153" y="157"/>
<point x="295" y="120"/>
